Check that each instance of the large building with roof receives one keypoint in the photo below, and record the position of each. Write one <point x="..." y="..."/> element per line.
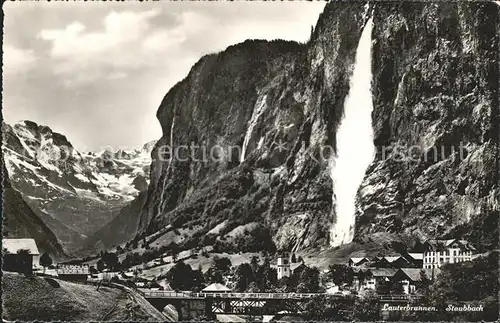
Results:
<point x="374" y="276"/>
<point x="20" y="255"/>
<point x="73" y="272"/>
<point x="440" y="252"/>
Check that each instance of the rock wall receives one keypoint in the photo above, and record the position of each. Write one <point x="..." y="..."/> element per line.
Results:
<point x="19" y="221"/>
<point x="435" y="84"/>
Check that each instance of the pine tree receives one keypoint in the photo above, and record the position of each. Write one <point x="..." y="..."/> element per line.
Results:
<point x="45" y="261"/>
<point x="424" y="282"/>
<point x="23" y="263"/>
<point x="100" y="265"/>
<point x="174" y="250"/>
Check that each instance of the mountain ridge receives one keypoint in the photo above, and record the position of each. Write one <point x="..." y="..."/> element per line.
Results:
<point x="74" y="193"/>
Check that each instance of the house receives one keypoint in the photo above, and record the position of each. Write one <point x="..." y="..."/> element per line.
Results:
<point x="439" y="252"/>
<point x="396" y="261"/>
<point x="358" y="279"/>
<point x="417" y="258"/>
<point x="332" y="289"/>
<point x="93" y="278"/>
<point x="216" y="288"/>
<point x="373" y="277"/>
<point x="153" y="285"/>
<point x="20" y="255"/>
<point x="380" y="262"/>
<point x="104" y="276"/>
<point x="73" y="272"/>
<point x="401" y="261"/>
<point x="357" y="261"/>
<point x="410" y="277"/>
<point x="141" y="282"/>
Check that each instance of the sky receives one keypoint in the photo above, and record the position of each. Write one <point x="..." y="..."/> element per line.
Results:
<point x="97" y="71"/>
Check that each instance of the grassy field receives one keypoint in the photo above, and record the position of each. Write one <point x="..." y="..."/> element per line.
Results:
<point x="46" y="299"/>
<point x="205" y="263"/>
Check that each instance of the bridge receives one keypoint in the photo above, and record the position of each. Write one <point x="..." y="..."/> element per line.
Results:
<point x="148" y="293"/>
<point x="191" y="305"/>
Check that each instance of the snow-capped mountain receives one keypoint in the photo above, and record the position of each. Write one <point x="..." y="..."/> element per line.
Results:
<point x="79" y="192"/>
<point x="121" y="172"/>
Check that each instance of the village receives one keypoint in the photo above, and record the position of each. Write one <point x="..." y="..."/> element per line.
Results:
<point x="397" y="274"/>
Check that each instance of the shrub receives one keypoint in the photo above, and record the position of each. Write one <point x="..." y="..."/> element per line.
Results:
<point x="52" y="282"/>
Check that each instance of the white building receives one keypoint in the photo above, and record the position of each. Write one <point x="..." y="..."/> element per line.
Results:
<point x="439" y="252"/>
<point x="72" y="269"/>
<point x="283" y="266"/>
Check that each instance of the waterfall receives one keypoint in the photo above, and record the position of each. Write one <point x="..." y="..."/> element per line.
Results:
<point x="259" y="108"/>
<point x="171" y="150"/>
<point x="355" y="149"/>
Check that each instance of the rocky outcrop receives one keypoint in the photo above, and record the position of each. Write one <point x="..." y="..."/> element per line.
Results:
<point x="435" y="84"/>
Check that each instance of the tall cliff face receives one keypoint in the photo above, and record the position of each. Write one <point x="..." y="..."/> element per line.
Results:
<point x="281" y="103"/>
<point x="211" y="107"/>
<point x="436" y="90"/>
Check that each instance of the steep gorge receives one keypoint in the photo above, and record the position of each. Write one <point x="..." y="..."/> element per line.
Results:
<point x="435" y="84"/>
